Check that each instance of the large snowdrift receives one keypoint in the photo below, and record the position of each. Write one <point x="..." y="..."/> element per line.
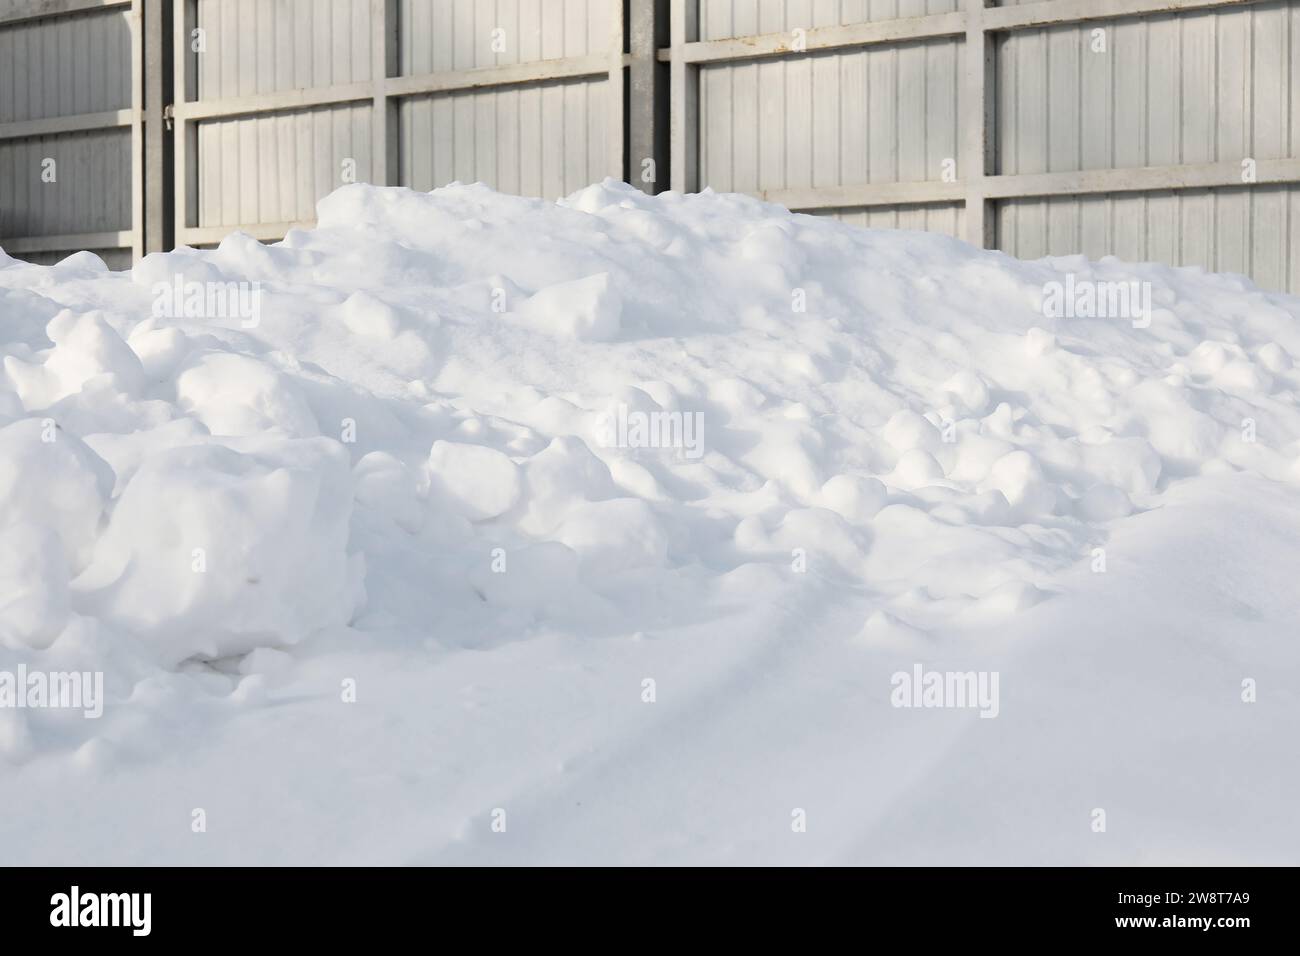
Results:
<point x="471" y="528"/>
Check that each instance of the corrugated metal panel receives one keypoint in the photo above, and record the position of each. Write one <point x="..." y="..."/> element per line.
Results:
<point x="878" y="114"/>
<point x="442" y="36"/>
<point x="1203" y="87"/>
<point x="944" y="218"/>
<point x="1253" y="230"/>
<point x="75" y="64"/>
<point x="266" y="46"/>
<point x="273" y="168"/>
<point x="1196" y="88"/>
<point x="57" y="67"/>
<point x="92" y="191"/>
<point x="725" y="19"/>
<point x="542" y="139"/>
<point x="538" y="139"/>
<point x="546" y="139"/>
<point x="1217" y="86"/>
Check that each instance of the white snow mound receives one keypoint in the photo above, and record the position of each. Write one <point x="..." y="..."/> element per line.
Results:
<point x="529" y="454"/>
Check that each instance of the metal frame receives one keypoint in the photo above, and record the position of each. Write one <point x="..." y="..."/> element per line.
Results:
<point x="384" y="91"/>
<point x="22" y="11"/>
<point x="977" y="24"/>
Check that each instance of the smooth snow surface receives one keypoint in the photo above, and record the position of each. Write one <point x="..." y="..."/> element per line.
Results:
<point x="619" y="515"/>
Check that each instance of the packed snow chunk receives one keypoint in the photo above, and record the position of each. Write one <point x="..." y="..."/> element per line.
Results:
<point x="1130" y="464"/>
<point x="1274" y="358"/>
<point x="790" y="453"/>
<point x="1020" y="478"/>
<point x="481" y="482"/>
<point x="587" y="309"/>
<point x="970" y="392"/>
<point x="622" y="534"/>
<point x="854" y="497"/>
<point x="560" y="479"/>
<point x="86" y="347"/>
<point x="387" y="488"/>
<point x="33" y="585"/>
<point x="160" y="349"/>
<point x="84" y="261"/>
<point x="52" y="478"/>
<point x="179" y="283"/>
<point x="368" y="316"/>
<point x="235" y="394"/>
<point x="916" y="469"/>
<point x="907" y="430"/>
<point x="212" y="551"/>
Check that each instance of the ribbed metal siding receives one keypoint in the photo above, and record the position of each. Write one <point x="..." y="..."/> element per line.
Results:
<point x="1207" y="87"/>
<point x="880" y="114"/>
<point x="441" y="36"/>
<point x="725" y="19"/>
<point x="267" y="46"/>
<point x="1252" y="230"/>
<point x="539" y="139"/>
<point x="91" y="194"/>
<point x="1197" y="88"/>
<point x="273" y="168"/>
<point x="268" y="169"/>
<point x="543" y="139"/>
<point x="61" y="67"/>
<point x="1218" y="86"/>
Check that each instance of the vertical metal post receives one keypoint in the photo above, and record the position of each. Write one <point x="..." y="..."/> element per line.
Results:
<point x="157" y="184"/>
<point x="136" y="20"/>
<point x="685" y="94"/>
<point x="616" y="147"/>
<point x="184" y="133"/>
<point x="385" y="165"/>
<point x="978" y="144"/>
<point x="647" y="102"/>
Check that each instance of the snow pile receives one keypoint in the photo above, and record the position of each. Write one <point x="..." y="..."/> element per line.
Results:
<point x="507" y="459"/>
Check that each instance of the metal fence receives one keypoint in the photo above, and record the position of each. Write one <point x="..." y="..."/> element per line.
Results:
<point x="71" y="134"/>
<point x="1161" y="130"/>
<point x="284" y="100"/>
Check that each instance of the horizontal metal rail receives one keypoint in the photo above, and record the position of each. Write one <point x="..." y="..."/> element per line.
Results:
<point x="68" y="242"/>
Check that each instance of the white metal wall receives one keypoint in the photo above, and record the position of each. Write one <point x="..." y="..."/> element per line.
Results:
<point x="67" y="95"/>
<point x="1108" y="127"/>
<point x="1199" y="88"/>
<point x="1000" y="124"/>
<point x="288" y="99"/>
<point x="831" y="119"/>
<point x="545" y="138"/>
<point x="271" y="168"/>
